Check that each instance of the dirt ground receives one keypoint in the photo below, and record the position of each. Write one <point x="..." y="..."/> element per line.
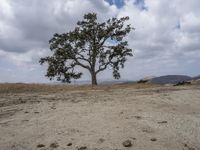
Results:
<point x="153" y="118"/>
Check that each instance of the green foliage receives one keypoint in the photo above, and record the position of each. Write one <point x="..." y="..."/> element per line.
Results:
<point x="92" y="45"/>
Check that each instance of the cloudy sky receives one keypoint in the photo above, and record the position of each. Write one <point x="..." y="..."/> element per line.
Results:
<point x="166" y="39"/>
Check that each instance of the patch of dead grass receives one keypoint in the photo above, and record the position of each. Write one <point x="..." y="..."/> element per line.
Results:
<point x="21" y="88"/>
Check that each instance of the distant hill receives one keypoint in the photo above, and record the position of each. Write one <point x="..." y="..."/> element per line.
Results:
<point x="170" y="79"/>
<point x="148" y="78"/>
<point x="196" y="78"/>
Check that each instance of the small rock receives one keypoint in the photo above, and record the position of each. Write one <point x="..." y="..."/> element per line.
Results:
<point x="127" y="143"/>
<point x="22" y="101"/>
<point x="82" y="148"/>
<point x="138" y="117"/>
<point x="75" y="101"/>
<point x="153" y="139"/>
<point x="101" y="140"/>
<point x="40" y="145"/>
<point x="54" y="145"/>
<point x="133" y="138"/>
<point x="69" y="144"/>
<point x="36" y="112"/>
<point x="162" y="122"/>
<point x="53" y="107"/>
<point x="147" y="130"/>
<point x="189" y="148"/>
<point x="25" y="120"/>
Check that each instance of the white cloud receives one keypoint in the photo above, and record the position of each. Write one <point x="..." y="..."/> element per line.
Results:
<point x="166" y="39"/>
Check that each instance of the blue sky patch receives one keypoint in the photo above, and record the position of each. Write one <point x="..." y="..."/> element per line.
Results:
<point x="140" y="4"/>
<point x="178" y="26"/>
<point x="118" y="3"/>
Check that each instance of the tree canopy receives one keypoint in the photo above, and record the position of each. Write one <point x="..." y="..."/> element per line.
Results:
<point x="91" y="45"/>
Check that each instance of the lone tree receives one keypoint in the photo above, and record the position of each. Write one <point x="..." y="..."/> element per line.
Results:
<point x="91" y="45"/>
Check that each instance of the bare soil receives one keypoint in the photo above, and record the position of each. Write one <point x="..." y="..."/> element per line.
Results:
<point x="99" y="118"/>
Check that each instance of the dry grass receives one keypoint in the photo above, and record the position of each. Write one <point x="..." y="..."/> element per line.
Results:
<point x="21" y="88"/>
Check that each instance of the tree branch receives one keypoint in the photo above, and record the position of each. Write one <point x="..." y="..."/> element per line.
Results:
<point x="104" y="67"/>
<point x="80" y="64"/>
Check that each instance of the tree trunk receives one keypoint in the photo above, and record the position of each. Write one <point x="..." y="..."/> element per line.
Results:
<point x="94" y="78"/>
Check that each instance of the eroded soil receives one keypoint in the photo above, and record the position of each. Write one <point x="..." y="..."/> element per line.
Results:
<point x="161" y="118"/>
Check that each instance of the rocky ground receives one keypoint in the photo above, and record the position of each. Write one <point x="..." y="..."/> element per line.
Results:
<point x="154" y="118"/>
